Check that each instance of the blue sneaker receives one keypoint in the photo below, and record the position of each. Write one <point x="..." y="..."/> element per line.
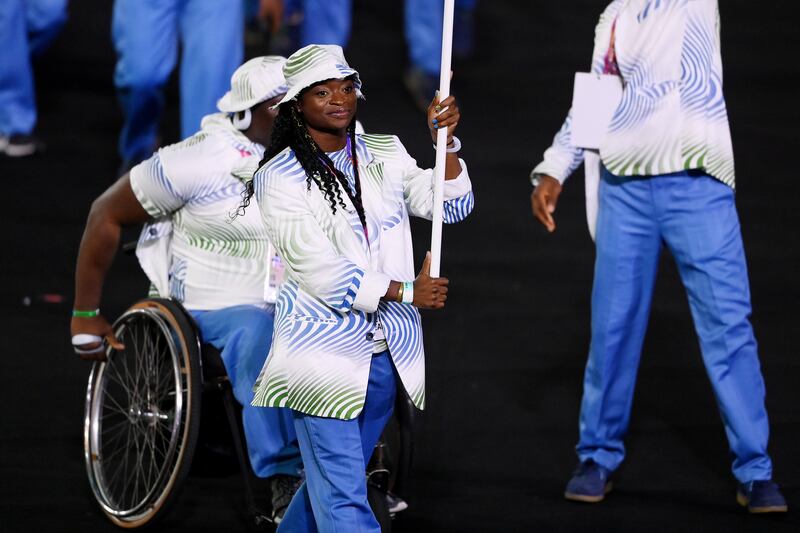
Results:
<point x="589" y="483"/>
<point x="762" y="496"/>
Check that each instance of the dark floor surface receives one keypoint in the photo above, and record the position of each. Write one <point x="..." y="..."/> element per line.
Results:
<point x="505" y="360"/>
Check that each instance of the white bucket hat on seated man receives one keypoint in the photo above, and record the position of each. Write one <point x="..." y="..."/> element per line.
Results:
<point x="313" y="64"/>
<point x="256" y="81"/>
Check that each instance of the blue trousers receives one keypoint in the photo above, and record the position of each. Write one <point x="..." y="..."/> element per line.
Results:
<point x="423" y="28"/>
<point x="695" y="217"/>
<point x="26" y="28"/>
<point x="329" y="21"/>
<point x="243" y="335"/>
<point x="333" y="497"/>
<point x="147" y="35"/>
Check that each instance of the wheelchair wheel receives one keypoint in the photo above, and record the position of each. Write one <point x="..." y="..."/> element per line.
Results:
<point x="142" y="413"/>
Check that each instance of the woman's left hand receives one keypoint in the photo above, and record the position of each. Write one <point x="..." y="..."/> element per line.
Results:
<point x="443" y="114"/>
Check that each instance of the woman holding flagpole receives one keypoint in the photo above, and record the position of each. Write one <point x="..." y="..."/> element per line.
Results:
<point x="337" y="205"/>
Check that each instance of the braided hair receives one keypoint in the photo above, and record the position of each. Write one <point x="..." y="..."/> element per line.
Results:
<point x="290" y="130"/>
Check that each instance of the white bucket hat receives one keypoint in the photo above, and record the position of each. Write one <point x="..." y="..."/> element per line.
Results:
<point x="255" y="81"/>
<point x="315" y="63"/>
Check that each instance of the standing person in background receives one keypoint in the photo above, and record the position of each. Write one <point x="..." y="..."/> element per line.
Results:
<point x="423" y="27"/>
<point x="667" y="177"/>
<point x="336" y="205"/>
<point x="329" y="22"/>
<point x="27" y="27"/>
<point x="147" y="36"/>
<point x="192" y="252"/>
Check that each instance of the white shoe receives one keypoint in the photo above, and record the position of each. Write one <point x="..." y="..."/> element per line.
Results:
<point x="20" y="145"/>
<point x="395" y="503"/>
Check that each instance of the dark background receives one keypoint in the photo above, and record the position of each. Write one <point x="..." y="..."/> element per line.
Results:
<point x="505" y="360"/>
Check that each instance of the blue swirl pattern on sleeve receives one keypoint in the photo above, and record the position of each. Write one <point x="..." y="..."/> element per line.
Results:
<point x="457" y="209"/>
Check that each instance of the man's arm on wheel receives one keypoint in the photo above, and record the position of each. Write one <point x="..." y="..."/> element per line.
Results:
<point x="116" y="207"/>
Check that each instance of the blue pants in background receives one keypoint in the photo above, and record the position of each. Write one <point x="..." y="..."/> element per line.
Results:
<point x="423" y="29"/>
<point x="329" y="22"/>
<point x="243" y="335"/>
<point x="695" y="216"/>
<point x="335" y="453"/>
<point x="147" y="35"/>
<point x="26" y="29"/>
<point x="326" y="22"/>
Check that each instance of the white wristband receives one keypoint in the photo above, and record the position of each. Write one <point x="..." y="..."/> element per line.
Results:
<point x="456" y="146"/>
<point x="408" y="292"/>
<point x="85" y="338"/>
<point x="82" y="339"/>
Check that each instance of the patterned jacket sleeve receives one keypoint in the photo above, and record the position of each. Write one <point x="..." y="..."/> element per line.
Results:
<point x="418" y="190"/>
<point x="155" y="190"/>
<point x="562" y="158"/>
<point x="294" y="229"/>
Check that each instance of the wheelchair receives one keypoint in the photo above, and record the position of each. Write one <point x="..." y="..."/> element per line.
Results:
<point x="143" y="416"/>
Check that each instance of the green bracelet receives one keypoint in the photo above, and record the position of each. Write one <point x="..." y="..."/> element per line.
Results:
<point x="85" y="314"/>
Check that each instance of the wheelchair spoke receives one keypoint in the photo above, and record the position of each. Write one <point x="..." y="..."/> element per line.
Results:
<point x="135" y="472"/>
<point x="147" y="362"/>
<point x="137" y="362"/>
<point x="116" y="408"/>
<point x="117" y="405"/>
<point x="165" y="434"/>
<point x="128" y="379"/>
<point x="158" y="453"/>
<point x="164" y="382"/>
<point x="129" y="477"/>
<point x="121" y="467"/>
<point x="131" y="459"/>
<point x="164" y="373"/>
<point x="111" y="458"/>
<point x="111" y="433"/>
<point x="114" y="375"/>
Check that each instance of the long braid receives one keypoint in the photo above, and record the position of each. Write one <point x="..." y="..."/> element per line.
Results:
<point x="290" y="130"/>
<point x="357" y="202"/>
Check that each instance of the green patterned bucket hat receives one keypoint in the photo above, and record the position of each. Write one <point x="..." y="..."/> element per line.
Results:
<point x="313" y="64"/>
<point x="255" y="81"/>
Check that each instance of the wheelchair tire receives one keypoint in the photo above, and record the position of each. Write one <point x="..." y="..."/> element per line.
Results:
<point x="142" y="413"/>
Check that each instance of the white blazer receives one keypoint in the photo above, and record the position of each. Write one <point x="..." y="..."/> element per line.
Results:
<point x="329" y="304"/>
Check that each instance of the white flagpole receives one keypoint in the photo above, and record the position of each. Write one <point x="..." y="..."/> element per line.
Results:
<point x="441" y="140"/>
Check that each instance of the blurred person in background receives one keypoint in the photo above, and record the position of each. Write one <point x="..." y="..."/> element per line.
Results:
<point x="329" y="22"/>
<point x="666" y="178"/>
<point x="27" y="27"/>
<point x="147" y="36"/>
<point x="222" y="271"/>
<point x="423" y="29"/>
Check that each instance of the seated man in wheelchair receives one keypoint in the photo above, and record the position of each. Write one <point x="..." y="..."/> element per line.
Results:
<point x="222" y="269"/>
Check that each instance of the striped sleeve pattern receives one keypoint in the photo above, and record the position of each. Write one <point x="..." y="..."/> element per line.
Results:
<point x="418" y="189"/>
<point x="155" y="191"/>
<point x="562" y="158"/>
<point x="458" y="209"/>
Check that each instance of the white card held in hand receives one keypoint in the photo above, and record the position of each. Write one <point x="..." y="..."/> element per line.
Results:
<point x="594" y="101"/>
